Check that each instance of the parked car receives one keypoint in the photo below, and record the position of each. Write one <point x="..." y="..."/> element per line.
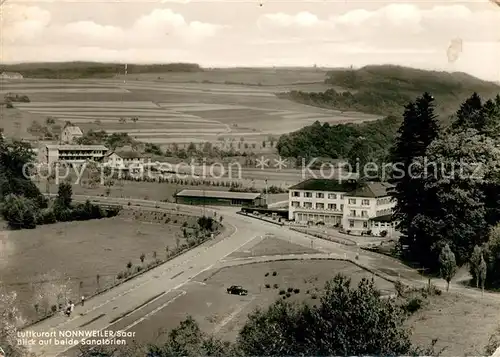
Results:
<point x="237" y="290"/>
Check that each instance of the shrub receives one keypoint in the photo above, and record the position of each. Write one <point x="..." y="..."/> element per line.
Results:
<point x="19" y="212"/>
<point x="184" y="224"/>
<point x="314" y="296"/>
<point x="267" y="286"/>
<point x="296" y="291"/>
<point x="274" y="273"/>
<point x="282" y="292"/>
<point x="276" y="286"/>
<point x="288" y="295"/>
<point x="120" y="275"/>
<point x="413" y="305"/>
<point x="289" y="290"/>
<point x="267" y="274"/>
<point x="9" y="105"/>
<point x="46" y="216"/>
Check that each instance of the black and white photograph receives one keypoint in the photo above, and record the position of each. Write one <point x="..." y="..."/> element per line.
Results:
<point x="188" y="178"/>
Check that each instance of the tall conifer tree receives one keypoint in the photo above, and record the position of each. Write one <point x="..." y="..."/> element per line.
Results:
<point x="418" y="130"/>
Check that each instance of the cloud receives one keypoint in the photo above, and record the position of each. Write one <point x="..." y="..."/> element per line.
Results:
<point x="391" y="23"/>
<point x="31" y="25"/>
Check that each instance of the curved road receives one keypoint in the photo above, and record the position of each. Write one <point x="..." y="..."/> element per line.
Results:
<point x="115" y="305"/>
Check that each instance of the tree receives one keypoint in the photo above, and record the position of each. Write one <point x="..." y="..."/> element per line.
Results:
<point x="15" y="158"/>
<point x="475" y="264"/>
<point x="347" y="321"/>
<point x="10" y="318"/>
<point x="64" y="195"/>
<point x="418" y="130"/>
<point x="188" y="340"/>
<point x="483" y="269"/>
<point x="456" y="169"/>
<point x="19" y="212"/>
<point x="359" y="155"/>
<point x="448" y="265"/>
<point x="142" y="257"/>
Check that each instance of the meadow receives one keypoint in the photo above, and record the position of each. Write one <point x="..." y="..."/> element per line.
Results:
<point x="78" y="258"/>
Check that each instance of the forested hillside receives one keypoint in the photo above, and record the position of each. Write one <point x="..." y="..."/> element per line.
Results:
<point x="377" y="90"/>
<point x="75" y="70"/>
<point x="386" y="89"/>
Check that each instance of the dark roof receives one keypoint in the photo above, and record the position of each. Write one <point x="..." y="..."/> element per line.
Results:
<point x="371" y="190"/>
<point x="325" y="185"/>
<point x="128" y="154"/>
<point x="218" y="194"/>
<point x="386" y="218"/>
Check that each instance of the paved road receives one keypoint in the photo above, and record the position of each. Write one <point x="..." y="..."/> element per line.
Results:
<point x="157" y="286"/>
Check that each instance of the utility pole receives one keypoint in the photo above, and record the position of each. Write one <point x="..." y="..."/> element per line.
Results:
<point x="267" y="198"/>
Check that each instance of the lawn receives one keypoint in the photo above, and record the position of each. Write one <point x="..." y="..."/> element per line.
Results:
<point x="461" y="324"/>
<point x="74" y="253"/>
<point x="271" y="246"/>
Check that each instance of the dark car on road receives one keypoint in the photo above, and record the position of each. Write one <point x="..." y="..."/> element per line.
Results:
<point x="237" y="290"/>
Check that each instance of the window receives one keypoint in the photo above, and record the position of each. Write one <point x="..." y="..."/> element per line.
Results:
<point x="332" y="206"/>
<point x="332" y="196"/>
<point x="295" y="204"/>
<point x="320" y="206"/>
<point x="364" y="213"/>
<point x="365" y="224"/>
<point x="308" y="194"/>
<point x="353" y="213"/>
<point x="320" y="195"/>
<point x="341" y="197"/>
<point x="351" y="224"/>
<point x="295" y="194"/>
<point x="308" y="205"/>
<point x="352" y="201"/>
<point x="365" y="202"/>
<point x="342" y="207"/>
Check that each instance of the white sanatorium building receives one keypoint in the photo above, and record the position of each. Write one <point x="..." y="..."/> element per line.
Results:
<point x="72" y="154"/>
<point x="353" y="206"/>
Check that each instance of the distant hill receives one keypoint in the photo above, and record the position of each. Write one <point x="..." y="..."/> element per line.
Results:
<point x="386" y="89"/>
<point x="76" y="70"/>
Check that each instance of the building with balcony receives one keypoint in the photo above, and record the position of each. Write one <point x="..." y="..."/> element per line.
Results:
<point x="351" y="205"/>
<point x="72" y="154"/>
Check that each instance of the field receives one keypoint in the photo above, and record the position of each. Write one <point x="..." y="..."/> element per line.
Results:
<point x="75" y="253"/>
<point x="176" y="111"/>
<point x="223" y="314"/>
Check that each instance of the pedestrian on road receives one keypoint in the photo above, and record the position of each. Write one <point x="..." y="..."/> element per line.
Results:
<point x="83" y="300"/>
<point x="72" y="306"/>
<point x="68" y="310"/>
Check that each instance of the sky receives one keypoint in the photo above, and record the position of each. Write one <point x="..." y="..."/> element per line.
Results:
<point x="229" y="33"/>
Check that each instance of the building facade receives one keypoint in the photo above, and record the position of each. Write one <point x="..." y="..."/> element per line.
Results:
<point x="73" y="154"/>
<point x="349" y="205"/>
<point x="11" y="75"/>
<point x="70" y="133"/>
<point x="224" y="198"/>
